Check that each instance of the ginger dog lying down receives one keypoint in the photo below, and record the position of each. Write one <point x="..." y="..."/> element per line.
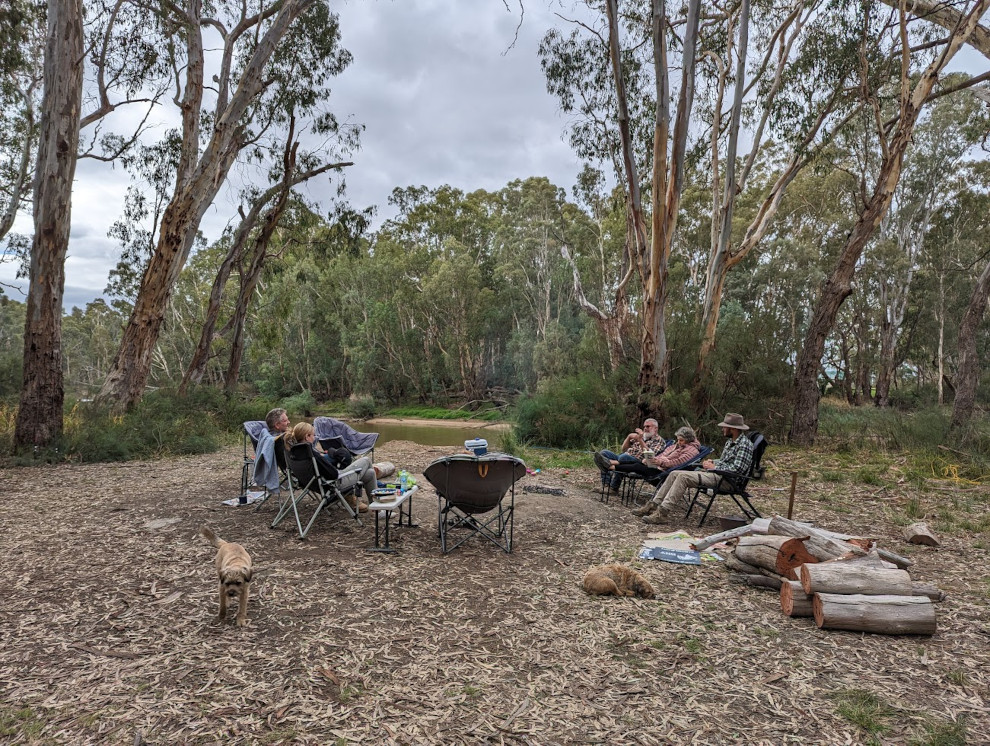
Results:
<point x="234" y="570"/>
<point x="617" y="580"/>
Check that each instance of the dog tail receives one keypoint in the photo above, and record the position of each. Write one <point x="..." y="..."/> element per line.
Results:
<point x="207" y="533"/>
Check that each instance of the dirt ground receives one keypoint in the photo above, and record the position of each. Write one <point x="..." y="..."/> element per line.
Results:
<point x="109" y="631"/>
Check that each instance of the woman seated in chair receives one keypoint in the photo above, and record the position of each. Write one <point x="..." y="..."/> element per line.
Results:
<point x="682" y="450"/>
<point x="339" y="459"/>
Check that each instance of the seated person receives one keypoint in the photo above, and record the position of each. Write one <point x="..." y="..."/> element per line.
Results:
<point x="682" y="450"/>
<point x="265" y="465"/>
<point x="646" y="438"/>
<point x="737" y="457"/>
<point x="355" y="471"/>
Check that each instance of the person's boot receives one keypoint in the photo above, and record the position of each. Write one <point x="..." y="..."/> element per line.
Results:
<point x="352" y="501"/>
<point x="657" y="518"/>
<point x="646" y="509"/>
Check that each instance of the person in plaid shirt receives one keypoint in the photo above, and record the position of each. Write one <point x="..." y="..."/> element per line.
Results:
<point x="737" y="456"/>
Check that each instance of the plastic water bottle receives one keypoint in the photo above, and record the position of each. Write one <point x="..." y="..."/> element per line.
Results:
<point x="404" y="480"/>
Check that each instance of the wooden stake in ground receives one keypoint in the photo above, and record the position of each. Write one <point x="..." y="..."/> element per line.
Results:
<point x="919" y="533"/>
<point x="779" y="554"/>
<point x="790" y="502"/>
<point x="885" y="615"/>
<point x="840" y="577"/>
<point x="793" y="600"/>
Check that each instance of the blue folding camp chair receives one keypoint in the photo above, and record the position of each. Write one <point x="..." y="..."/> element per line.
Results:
<point x="333" y="434"/>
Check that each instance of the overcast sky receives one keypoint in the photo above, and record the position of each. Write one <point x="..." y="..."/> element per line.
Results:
<point x="447" y="93"/>
<point x="443" y="98"/>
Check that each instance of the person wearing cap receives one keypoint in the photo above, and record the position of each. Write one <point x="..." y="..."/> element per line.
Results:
<point x="642" y="439"/>
<point x="737" y="456"/>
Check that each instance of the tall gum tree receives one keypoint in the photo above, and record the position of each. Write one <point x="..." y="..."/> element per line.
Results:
<point x="39" y="417"/>
<point x="914" y="92"/>
<point x="256" y="38"/>
<point x="667" y="166"/>
<point x="115" y="51"/>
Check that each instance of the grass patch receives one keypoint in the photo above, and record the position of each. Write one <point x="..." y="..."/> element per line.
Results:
<point x="865" y="710"/>
<point x="20" y="722"/>
<point x="942" y="733"/>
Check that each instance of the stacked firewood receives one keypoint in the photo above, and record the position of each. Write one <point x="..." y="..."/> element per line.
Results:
<point x="844" y="582"/>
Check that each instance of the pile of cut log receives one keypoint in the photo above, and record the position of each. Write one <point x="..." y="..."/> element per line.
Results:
<point x="843" y="581"/>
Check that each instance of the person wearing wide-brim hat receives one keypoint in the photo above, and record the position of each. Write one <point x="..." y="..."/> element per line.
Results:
<point x="737" y="456"/>
<point x="734" y="421"/>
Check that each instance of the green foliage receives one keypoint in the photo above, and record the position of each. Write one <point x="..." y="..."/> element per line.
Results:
<point x="11" y="347"/>
<point x="162" y="424"/>
<point x="361" y="407"/>
<point x="506" y="442"/>
<point x="574" y="412"/>
<point x="865" y="710"/>
<point x="20" y="723"/>
<point x="302" y="403"/>
<point x="937" y="732"/>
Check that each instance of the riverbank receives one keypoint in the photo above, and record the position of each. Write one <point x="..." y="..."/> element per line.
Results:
<point x="462" y="424"/>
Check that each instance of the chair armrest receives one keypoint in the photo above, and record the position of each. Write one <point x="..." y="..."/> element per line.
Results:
<point x="737" y="480"/>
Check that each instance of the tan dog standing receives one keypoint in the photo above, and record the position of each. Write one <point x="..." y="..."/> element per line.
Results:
<point x="234" y="570"/>
<point x="617" y="580"/>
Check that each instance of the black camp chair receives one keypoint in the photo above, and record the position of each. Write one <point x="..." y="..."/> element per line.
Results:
<point x="633" y="484"/>
<point x="316" y="478"/>
<point x="471" y="493"/>
<point x="605" y="475"/>
<point x="333" y="434"/>
<point x="734" y="484"/>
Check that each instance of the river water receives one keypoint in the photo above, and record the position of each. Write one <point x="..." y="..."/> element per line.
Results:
<point x="426" y="432"/>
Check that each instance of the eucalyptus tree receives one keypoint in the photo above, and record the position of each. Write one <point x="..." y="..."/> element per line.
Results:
<point x="248" y="249"/>
<point x="774" y="59"/>
<point x="430" y="322"/>
<point x="913" y="91"/>
<point x="571" y="71"/>
<point x="22" y="44"/>
<point x="39" y="418"/>
<point x="954" y="252"/>
<point x="577" y="73"/>
<point x="121" y="71"/>
<point x="949" y="16"/>
<point x="931" y="178"/>
<point x="268" y="51"/>
<point x="967" y="376"/>
<point x="596" y="263"/>
<point x="531" y="224"/>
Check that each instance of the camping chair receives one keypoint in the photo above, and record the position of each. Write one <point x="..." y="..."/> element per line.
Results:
<point x="333" y="433"/>
<point x="606" y="478"/>
<point x="252" y="431"/>
<point x="632" y="485"/>
<point x="734" y="484"/>
<point x="471" y="494"/>
<point x="285" y="481"/>
<point x="316" y="478"/>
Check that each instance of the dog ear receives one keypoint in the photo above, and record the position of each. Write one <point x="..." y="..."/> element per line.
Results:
<point x="247" y="575"/>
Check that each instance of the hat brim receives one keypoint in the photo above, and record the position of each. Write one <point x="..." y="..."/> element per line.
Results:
<point x="734" y="427"/>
